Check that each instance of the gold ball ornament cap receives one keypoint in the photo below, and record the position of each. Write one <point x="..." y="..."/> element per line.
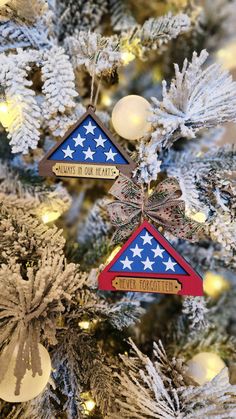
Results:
<point x="130" y="117"/>
<point x="31" y="386"/>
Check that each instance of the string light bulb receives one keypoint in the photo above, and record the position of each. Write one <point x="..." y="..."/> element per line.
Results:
<point x="106" y="99"/>
<point x="129" y="50"/>
<point x="226" y="56"/>
<point x="214" y="285"/>
<point x="88" y="404"/>
<point x="84" y="324"/>
<point x="127" y="57"/>
<point x="50" y="216"/>
<point x="4" y="110"/>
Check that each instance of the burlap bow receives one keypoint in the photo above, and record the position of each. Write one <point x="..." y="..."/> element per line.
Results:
<point x="163" y="207"/>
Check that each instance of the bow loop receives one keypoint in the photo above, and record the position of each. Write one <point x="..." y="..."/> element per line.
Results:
<point x="163" y="207"/>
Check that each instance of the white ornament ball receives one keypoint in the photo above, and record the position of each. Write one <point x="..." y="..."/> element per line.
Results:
<point x="31" y="386"/>
<point x="129" y="117"/>
<point x="3" y="2"/>
<point x="204" y="366"/>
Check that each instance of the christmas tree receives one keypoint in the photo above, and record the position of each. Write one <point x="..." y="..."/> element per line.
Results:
<point x="114" y="113"/>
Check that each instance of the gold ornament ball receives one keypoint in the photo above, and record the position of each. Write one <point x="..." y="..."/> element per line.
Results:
<point x="129" y="117"/>
<point x="204" y="366"/>
<point x="31" y="386"/>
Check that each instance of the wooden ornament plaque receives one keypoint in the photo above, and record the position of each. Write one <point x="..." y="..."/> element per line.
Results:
<point x="87" y="150"/>
<point x="149" y="263"/>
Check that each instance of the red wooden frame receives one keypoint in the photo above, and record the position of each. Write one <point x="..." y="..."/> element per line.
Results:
<point x="191" y="284"/>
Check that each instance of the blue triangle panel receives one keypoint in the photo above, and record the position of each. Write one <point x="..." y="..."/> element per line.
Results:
<point x="145" y="255"/>
<point x="88" y="143"/>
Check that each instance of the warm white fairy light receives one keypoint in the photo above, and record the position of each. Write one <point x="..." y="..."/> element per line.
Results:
<point x="88" y="404"/>
<point x="50" y="216"/>
<point x="214" y="285"/>
<point x="106" y="99"/>
<point x="226" y="56"/>
<point x="84" y="324"/>
<point x="4" y="114"/>
<point x="127" y="57"/>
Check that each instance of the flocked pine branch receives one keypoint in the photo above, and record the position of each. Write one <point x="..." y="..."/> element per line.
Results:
<point x="207" y="180"/>
<point x="161" y="389"/>
<point x="121" y="17"/>
<point x="58" y="82"/>
<point x="99" y="54"/>
<point x="92" y="234"/>
<point x="23" y="108"/>
<point x="30" y="308"/>
<point x="195" y="309"/>
<point x="18" y="34"/>
<point x="79" y="15"/>
<point x="78" y="364"/>
<point x="197" y="98"/>
<point x="221" y="15"/>
<point x="24" y="238"/>
<point x="223" y="230"/>
<point x="102" y="55"/>
<point x="158" y="31"/>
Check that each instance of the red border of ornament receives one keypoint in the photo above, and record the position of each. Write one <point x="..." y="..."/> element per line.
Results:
<point x="191" y="284"/>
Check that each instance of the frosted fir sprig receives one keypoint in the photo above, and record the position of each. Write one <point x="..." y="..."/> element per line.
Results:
<point x="121" y="17"/>
<point x="38" y="300"/>
<point x="58" y="82"/>
<point x="206" y="181"/>
<point x="221" y="15"/>
<point x="25" y="110"/>
<point x="20" y="35"/>
<point x="223" y="230"/>
<point x="25" y="24"/>
<point x="161" y="388"/>
<point x="149" y="164"/>
<point x="99" y="54"/>
<point x="196" y="98"/>
<point x="195" y="309"/>
<point x="156" y="32"/>
<point x="79" y="15"/>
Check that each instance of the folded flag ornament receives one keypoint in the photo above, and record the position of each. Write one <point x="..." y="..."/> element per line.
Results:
<point x="147" y="262"/>
<point x="87" y="150"/>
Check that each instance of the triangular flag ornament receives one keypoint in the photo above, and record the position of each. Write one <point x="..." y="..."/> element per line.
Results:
<point x="149" y="263"/>
<point x="87" y="150"/>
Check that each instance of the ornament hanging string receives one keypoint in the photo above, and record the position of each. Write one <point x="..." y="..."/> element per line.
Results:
<point x="94" y="98"/>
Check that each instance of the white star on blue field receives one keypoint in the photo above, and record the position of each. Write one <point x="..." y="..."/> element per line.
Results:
<point x="144" y="255"/>
<point x="88" y="144"/>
